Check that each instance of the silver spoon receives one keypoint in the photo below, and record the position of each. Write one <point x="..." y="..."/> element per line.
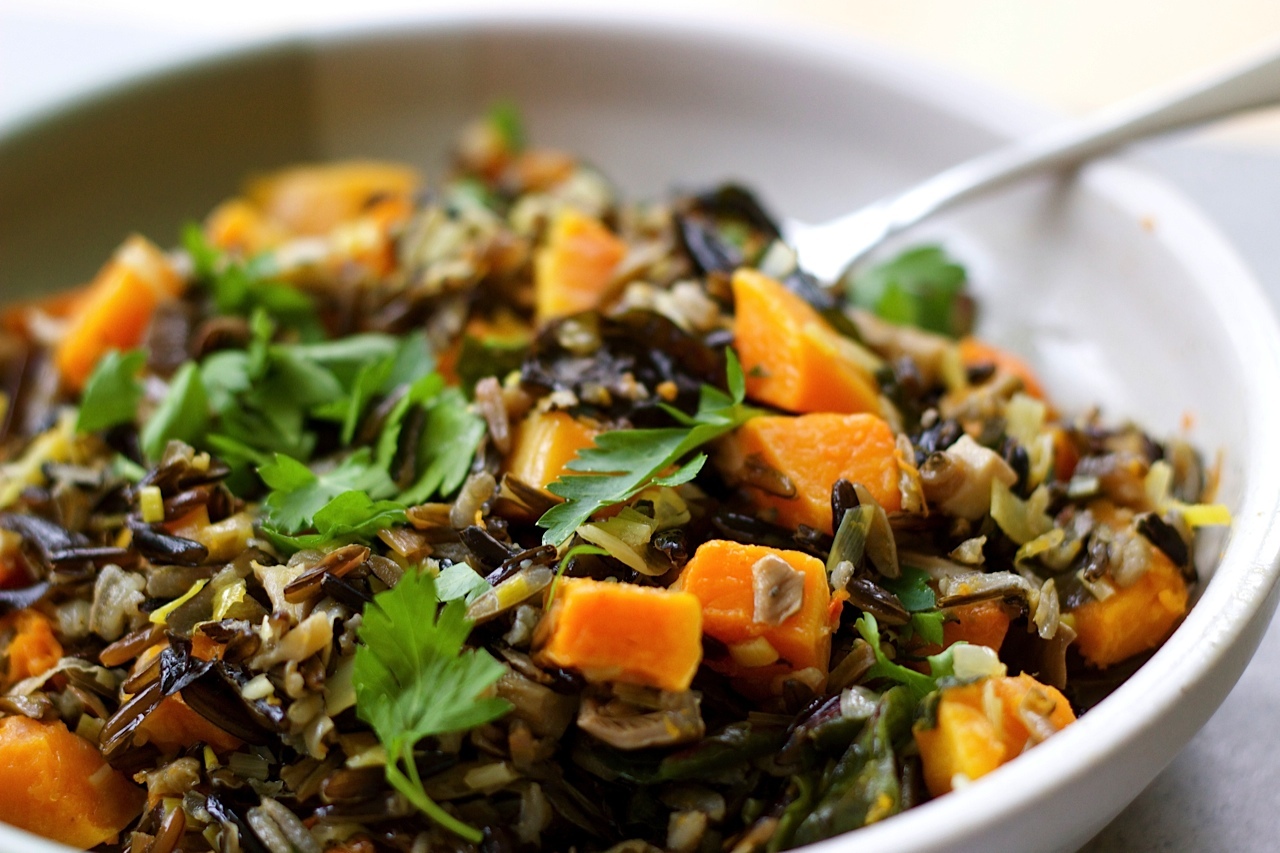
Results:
<point x="827" y="249"/>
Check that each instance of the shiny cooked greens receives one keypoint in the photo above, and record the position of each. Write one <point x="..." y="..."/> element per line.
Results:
<point x="499" y="514"/>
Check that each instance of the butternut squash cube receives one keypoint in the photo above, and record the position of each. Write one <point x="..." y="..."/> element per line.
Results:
<point x="573" y="270"/>
<point x="623" y="632"/>
<point x="1136" y="618"/>
<point x="544" y="444"/>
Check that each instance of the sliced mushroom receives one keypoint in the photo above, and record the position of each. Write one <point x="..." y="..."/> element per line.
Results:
<point x="620" y="725"/>
<point x="778" y="588"/>
<point x="957" y="480"/>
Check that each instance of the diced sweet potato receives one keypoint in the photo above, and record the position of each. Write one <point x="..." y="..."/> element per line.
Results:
<point x="720" y="576"/>
<point x="116" y="310"/>
<point x="573" y="270"/>
<point x="544" y="443"/>
<point x="314" y="199"/>
<point x="1136" y="618"/>
<point x="793" y="359"/>
<point x="982" y="725"/>
<point x="623" y="632"/>
<point x="240" y="227"/>
<point x="34" y="649"/>
<point x="57" y="784"/>
<point x="812" y="452"/>
<point x="975" y="352"/>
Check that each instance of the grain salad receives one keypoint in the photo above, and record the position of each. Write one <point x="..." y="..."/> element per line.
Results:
<point x="498" y="513"/>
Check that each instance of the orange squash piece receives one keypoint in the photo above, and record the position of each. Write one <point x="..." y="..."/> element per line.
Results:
<point x="573" y="270"/>
<point x="983" y="623"/>
<point x="173" y="725"/>
<point x="974" y="352"/>
<point x="623" y="632"/>
<point x="979" y="728"/>
<point x="812" y="452"/>
<point x="720" y="576"/>
<point x="1136" y="618"/>
<point x="240" y="227"/>
<point x="313" y="199"/>
<point x="117" y="308"/>
<point x="544" y="444"/>
<point x="34" y="649"/>
<point x="792" y="357"/>
<point x="56" y="784"/>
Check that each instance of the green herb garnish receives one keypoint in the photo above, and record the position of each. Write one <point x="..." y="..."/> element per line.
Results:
<point x="921" y="287"/>
<point x="413" y="680"/>
<point x="918" y="683"/>
<point x="113" y="392"/>
<point x="631" y="460"/>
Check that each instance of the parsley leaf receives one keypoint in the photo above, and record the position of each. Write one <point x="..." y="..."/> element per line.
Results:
<point x="460" y="581"/>
<point x="113" y="392"/>
<point x="918" y="683"/>
<point x="921" y="287"/>
<point x="505" y="119"/>
<point x="349" y="516"/>
<point x="912" y="589"/>
<point x="299" y="494"/>
<point x="183" y="414"/>
<point x="413" y="680"/>
<point x="448" y="443"/>
<point x="635" y="458"/>
<point x="241" y="288"/>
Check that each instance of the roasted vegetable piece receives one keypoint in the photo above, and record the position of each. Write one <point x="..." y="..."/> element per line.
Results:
<point x="312" y="200"/>
<point x="56" y="784"/>
<point x="723" y="576"/>
<point x="238" y="226"/>
<point x="573" y="270"/>
<point x="623" y="632"/>
<point x="1133" y="619"/>
<point x="116" y="310"/>
<point x="983" y="623"/>
<point x="173" y="725"/>
<point x="984" y="724"/>
<point x="976" y="353"/>
<point x="789" y="464"/>
<point x="793" y="359"/>
<point x="543" y="445"/>
<point x="34" y="649"/>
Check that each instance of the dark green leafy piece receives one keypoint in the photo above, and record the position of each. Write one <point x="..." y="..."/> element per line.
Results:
<point x="922" y="287"/>
<point x="918" y="683"/>
<point x="113" y="392"/>
<point x="413" y="680"/>
<point x="912" y="589"/>
<point x="446" y="448"/>
<point x="298" y="494"/>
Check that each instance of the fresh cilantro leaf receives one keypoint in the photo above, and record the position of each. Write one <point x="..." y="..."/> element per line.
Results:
<point x="411" y="361"/>
<point x="447" y="446"/>
<point x="912" y="589"/>
<point x="505" y="118"/>
<point x="633" y="459"/>
<point x="225" y="375"/>
<point x="918" y="683"/>
<point x="113" y="392"/>
<point x="183" y="414"/>
<point x="461" y="581"/>
<point x="920" y="287"/>
<point x="298" y="494"/>
<point x="413" y="680"/>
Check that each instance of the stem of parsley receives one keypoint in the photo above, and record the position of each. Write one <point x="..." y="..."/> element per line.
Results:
<point x="411" y="786"/>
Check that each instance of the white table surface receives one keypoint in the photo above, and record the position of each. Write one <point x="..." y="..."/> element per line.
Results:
<point x="1220" y="794"/>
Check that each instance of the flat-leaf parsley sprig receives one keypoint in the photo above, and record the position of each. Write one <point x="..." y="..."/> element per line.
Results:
<point x="634" y="459"/>
<point x="413" y="680"/>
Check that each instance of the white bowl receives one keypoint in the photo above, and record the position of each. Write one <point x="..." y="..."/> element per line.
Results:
<point x="1117" y="290"/>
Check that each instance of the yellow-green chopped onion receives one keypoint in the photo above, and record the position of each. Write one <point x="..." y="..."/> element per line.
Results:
<point x="1204" y="515"/>
<point x="160" y="616"/>
<point x="1021" y="520"/>
<point x="151" y="503"/>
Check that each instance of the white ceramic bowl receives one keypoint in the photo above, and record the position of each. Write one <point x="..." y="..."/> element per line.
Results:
<point x="1117" y="290"/>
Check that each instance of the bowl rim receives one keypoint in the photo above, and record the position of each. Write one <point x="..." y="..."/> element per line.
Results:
<point x="1242" y="591"/>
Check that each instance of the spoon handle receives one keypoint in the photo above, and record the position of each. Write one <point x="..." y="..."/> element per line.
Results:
<point x="1247" y="86"/>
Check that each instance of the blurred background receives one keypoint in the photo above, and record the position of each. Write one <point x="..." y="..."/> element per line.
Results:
<point x="1072" y="55"/>
<point x="1065" y="55"/>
